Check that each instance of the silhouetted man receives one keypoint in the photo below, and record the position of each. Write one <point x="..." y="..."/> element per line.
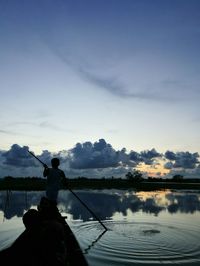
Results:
<point x="55" y="178"/>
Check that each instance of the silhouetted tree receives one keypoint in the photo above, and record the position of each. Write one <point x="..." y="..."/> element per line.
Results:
<point x="177" y="178"/>
<point x="135" y="176"/>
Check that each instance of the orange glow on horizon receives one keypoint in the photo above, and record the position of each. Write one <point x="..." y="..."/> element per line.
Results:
<point x="157" y="170"/>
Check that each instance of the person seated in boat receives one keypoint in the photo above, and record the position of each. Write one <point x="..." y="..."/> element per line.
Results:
<point x="55" y="179"/>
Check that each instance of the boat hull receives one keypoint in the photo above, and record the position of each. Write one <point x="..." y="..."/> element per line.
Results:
<point x="48" y="241"/>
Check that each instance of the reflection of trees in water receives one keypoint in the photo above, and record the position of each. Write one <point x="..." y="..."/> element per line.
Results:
<point x="18" y="202"/>
<point x="104" y="204"/>
<point x="187" y="203"/>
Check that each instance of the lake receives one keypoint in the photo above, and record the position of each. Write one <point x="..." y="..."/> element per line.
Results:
<point x="144" y="228"/>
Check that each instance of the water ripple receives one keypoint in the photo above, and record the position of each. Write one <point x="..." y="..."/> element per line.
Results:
<point x="139" y="242"/>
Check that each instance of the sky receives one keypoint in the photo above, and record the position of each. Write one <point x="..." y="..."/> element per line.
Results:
<point x="121" y="74"/>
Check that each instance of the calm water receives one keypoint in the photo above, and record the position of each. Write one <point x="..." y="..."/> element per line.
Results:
<point x="145" y="228"/>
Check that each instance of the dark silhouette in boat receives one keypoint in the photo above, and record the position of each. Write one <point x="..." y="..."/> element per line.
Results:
<point x="46" y="241"/>
<point x="55" y="177"/>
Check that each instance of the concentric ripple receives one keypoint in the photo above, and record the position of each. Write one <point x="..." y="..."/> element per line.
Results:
<point x="137" y="242"/>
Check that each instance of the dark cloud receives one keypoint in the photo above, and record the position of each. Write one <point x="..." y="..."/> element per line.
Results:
<point x="135" y="157"/>
<point x="97" y="155"/>
<point x="124" y="158"/>
<point x="46" y="157"/>
<point x="98" y="159"/>
<point x="184" y="160"/>
<point x="170" y="155"/>
<point x="18" y="156"/>
<point x="148" y="156"/>
<point x="103" y="155"/>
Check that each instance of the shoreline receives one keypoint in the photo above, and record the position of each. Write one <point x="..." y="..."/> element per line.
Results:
<point x="30" y="184"/>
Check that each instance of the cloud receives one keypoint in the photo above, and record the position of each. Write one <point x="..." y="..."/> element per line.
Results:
<point x="184" y="160"/>
<point x="168" y="165"/>
<point x="18" y="162"/>
<point x="46" y="156"/>
<point x="98" y="159"/>
<point x="107" y="82"/>
<point x="135" y="157"/>
<point x="148" y="156"/>
<point x="103" y="155"/>
<point x="170" y="155"/>
<point x="115" y="87"/>
<point x="18" y="156"/>
<point x="97" y="155"/>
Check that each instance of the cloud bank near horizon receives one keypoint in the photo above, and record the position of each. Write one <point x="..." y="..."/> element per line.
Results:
<point x="97" y="159"/>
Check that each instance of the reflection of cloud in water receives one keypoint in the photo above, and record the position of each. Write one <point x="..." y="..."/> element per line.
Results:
<point x="189" y="203"/>
<point x="105" y="203"/>
<point x="17" y="202"/>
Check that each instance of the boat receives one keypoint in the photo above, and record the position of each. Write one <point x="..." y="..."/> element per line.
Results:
<point x="46" y="241"/>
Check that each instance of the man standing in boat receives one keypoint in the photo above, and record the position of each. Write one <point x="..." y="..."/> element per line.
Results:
<point x="55" y="179"/>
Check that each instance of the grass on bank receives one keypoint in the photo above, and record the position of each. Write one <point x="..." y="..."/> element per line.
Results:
<point x="38" y="184"/>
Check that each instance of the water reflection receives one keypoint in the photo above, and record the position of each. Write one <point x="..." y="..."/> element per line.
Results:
<point x="105" y="203"/>
<point x="15" y="203"/>
<point x="144" y="228"/>
<point x="189" y="203"/>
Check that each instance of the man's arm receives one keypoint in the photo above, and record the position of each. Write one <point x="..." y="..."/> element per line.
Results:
<point x="46" y="171"/>
<point x="63" y="174"/>
<point x="64" y="180"/>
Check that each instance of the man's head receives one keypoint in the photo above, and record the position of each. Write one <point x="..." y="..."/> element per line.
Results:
<point x="31" y="219"/>
<point x="55" y="162"/>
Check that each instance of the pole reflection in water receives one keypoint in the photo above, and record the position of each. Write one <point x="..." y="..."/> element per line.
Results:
<point x="86" y="250"/>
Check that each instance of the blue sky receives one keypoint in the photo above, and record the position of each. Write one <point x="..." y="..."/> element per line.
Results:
<point x="78" y="71"/>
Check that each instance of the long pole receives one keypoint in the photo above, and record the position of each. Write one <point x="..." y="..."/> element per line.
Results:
<point x="88" y="209"/>
<point x="75" y="196"/>
<point x="37" y="158"/>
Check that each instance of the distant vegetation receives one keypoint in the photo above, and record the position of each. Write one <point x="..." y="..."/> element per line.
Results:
<point x="132" y="180"/>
